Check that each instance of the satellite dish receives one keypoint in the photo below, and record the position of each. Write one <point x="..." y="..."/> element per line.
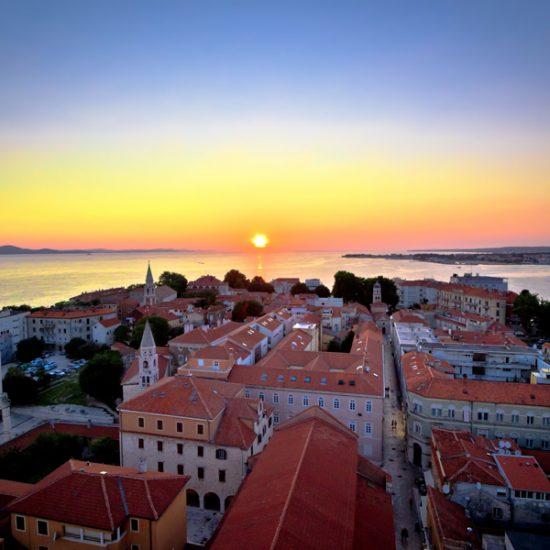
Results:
<point x="508" y="445"/>
<point x="446" y="489"/>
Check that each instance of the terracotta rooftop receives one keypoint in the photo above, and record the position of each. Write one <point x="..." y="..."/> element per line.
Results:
<point x="304" y="492"/>
<point x="463" y="457"/>
<point x="206" y="280"/>
<point x="206" y="336"/>
<point x="184" y="396"/>
<point x="100" y="500"/>
<point x="523" y="473"/>
<point x="296" y="340"/>
<point x="72" y="313"/>
<point x="247" y="337"/>
<point x="453" y="527"/>
<point x="429" y="376"/>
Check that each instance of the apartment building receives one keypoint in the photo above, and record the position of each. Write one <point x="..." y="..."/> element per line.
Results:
<point x="491" y="479"/>
<point x="13" y="329"/>
<point x="434" y="397"/>
<point x="56" y="327"/>
<point x="209" y="283"/>
<point x="202" y="428"/>
<point x="481" y="281"/>
<point x="484" y="356"/>
<point x="86" y="505"/>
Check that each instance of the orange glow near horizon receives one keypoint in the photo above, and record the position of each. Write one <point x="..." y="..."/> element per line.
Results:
<point x="305" y="201"/>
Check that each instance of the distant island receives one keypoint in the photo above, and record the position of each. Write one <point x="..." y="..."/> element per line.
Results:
<point x="497" y="250"/>
<point x="469" y="258"/>
<point x="6" y="250"/>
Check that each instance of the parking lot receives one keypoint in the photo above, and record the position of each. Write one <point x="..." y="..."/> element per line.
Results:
<point x="57" y="365"/>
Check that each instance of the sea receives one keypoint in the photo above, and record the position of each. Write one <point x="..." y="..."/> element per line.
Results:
<point x="42" y="280"/>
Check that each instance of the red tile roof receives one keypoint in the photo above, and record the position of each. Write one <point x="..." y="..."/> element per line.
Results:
<point x="317" y="381"/>
<point x="429" y="376"/>
<point x="72" y="314"/>
<point x="463" y="457"/>
<point x="479" y="338"/>
<point x="409" y="316"/>
<point x="296" y="340"/>
<point x="523" y="473"/>
<point x="454" y="530"/>
<point x="206" y="336"/>
<point x="236" y="427"/>
<point x="101" y="500"/>
<point x="247" y="337"/>
<point x="110" y="322"/>
<point x="303" y="492"/>
<point x="206" y="280"/>
<point x="184" y="396"/>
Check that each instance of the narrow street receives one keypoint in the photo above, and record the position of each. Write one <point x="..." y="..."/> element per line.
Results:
<point x="395" y="462"/>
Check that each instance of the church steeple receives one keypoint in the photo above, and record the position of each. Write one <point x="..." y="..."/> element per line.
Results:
<point x="377" y="292"/>
<point x="149" y="292"/>
<point x="148" y="358"/>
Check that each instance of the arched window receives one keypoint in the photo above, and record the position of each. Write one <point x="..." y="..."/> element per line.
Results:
<point x="193" y="498"/>
<point x="212" y="502"/>
<point x="221" y="454"/>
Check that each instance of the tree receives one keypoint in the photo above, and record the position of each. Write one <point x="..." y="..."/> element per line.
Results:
<point x="101" y="376"/>
<point x="21" y="389"/>
<point x="349" y="287"/>
<point x="21" y="307"/>
<point x="72" y="348"/>
<point x="526" y="307"/>
<point x="236" y="279"/>
<point x="257" y="284"/>
<point x="205" y="298"/>
<point x="389" y="290"/>
<point x="121" y="333"/>
<point x="299" y="288"/>
<point x="246" y="308"/>
<point x="322" y="291"/>
<point x="543" y="319"/>
<point x="159" y="326"/>
<point x="105" y="451"/>
<point x="334" y="345"/>
<point x="29" y="349"/>
<point x="175" y="281"/>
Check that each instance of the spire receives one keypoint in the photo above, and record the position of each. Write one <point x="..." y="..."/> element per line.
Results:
<point x="149" y="277"/>
<point x="147" y="340"/>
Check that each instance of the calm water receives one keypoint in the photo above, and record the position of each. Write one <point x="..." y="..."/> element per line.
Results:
<point x="44" y="280"/>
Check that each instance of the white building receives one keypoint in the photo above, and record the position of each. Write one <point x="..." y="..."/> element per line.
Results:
<point x="13" y="329"/>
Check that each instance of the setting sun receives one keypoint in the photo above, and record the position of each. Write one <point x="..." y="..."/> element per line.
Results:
<point x="259" y="240"/>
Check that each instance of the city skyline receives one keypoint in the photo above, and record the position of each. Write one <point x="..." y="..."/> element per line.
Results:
<point x="354" y="127"/>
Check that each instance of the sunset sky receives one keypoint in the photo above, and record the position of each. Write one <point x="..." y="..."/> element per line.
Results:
<point x="325" y="125"/>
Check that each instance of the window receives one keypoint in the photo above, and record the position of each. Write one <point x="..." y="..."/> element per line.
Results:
<point x="352" y="405"/>
<point x="179" y="427"/>
<point x="141" y="422"/>
<point x="180" y="469"/>
<point x="305" y="401"/>
<point x="545" y="444"/>
<point x="221" y="454"/>
<point x="482" y="416"/>
<point x="160" y="425"/>
<point x="140" y="443"/>
<point x="180" y="448"/>
<point x="275" y="398"/>
<point x="515" y="417"/>
<point x="321" y="402"/>
<point x="221" y="476"/>
<point x="352" y="426"/>
<point x="200" y="472"/>
<point x="293" y="378"/>
<point x="529" y="442"/>
<point x="276" y="417"/>
<point x="437" y="411"/>
<point x="368" y="406"/>
<point x="20" y="523"/>
<point x="307" y="379"/>
<point x="451" y="413"/>
<point x="259" y="438"/>
<point x="530" y="419"/>
<point x="290" y="399"/>
<point x="546" y="420"/>
<point x="247" y="393"/>
<point x="368" y="428"/>
<point x="261" y="396"/>
<point x="336" y="404"/>
<point x="417" y="427"/>
<point x="200" y="450"/>
<point x="499" y="417"/>
<point x="497" y="513"/>
<point x="417" y="408"/>
<point x="134" y="525"/>
<point x="160" y="466"/>
<point x="160" y="446"/>
<point x="200" y="429"/>
<point x="42" y="527"/>
<point x="324" y="380"/>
